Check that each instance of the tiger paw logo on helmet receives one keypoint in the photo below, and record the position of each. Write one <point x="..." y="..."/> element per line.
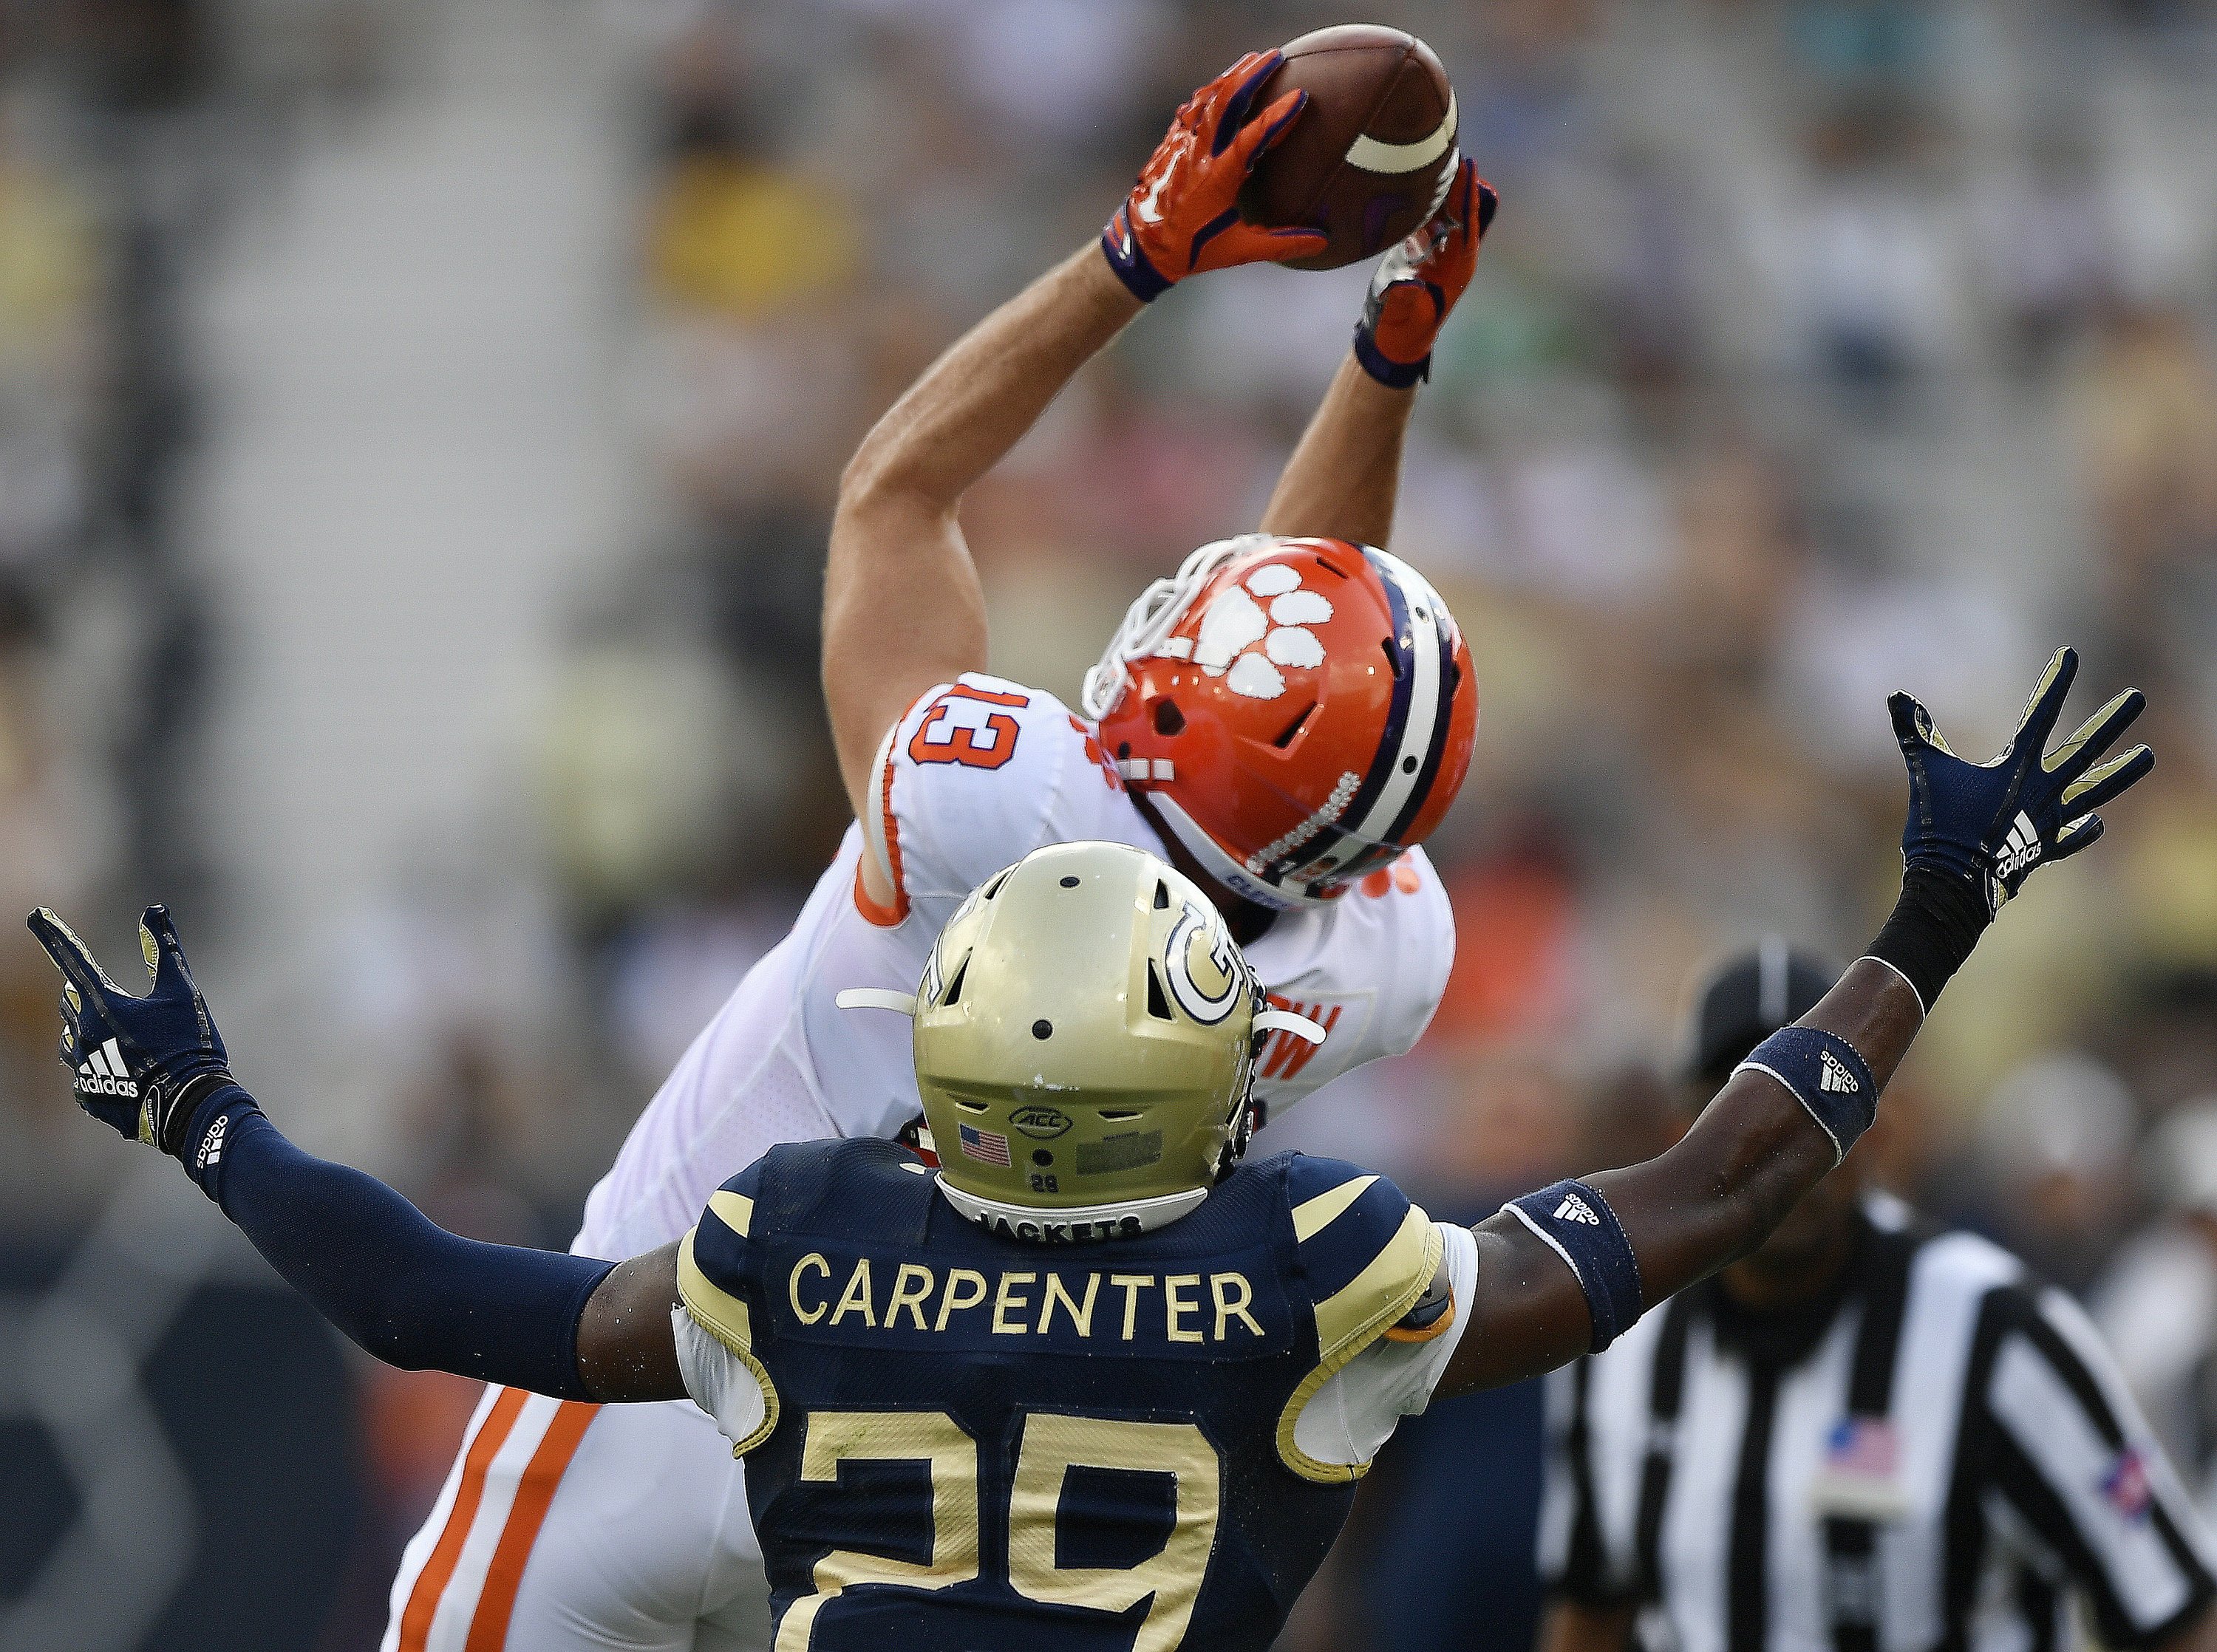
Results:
<point x="1296" y="713"/>
<point x="1236" y="618"/>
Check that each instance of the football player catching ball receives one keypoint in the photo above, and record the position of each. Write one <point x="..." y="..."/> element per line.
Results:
<point x="980" y="1412"/>
<point x="1285" y="720"/>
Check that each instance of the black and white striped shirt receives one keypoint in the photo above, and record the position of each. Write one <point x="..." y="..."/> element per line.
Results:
<point x="1938" y="1459"/>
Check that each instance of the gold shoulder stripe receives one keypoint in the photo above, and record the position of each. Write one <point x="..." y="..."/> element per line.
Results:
<point x="1382" y="1292"/>
<point x="735" y="1211"/>
<point x="1353" y="1318"/>
<point x="717" y="1309"/>
<point x="724" y="1317"/>
<point x="1312" y="1216"/>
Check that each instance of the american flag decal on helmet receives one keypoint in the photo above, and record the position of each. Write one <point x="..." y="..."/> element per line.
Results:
<point x="985" y="1146"/>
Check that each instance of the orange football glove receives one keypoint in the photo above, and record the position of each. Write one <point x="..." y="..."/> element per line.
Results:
<point x="1182" y="216"/>
<point x="1418" y="283"/>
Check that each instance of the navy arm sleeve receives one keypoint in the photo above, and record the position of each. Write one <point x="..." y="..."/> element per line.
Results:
<point x="397" y="1283"/>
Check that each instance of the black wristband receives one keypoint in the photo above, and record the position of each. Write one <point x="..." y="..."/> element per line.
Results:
<point x="1934" y="924"/>
<point x="177" y="1117"/>
<point x="212" y="1105"/>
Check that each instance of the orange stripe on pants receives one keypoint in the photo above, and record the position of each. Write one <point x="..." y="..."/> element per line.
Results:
<point x="533" y="1492"/>
<point x="431" y="1581"/>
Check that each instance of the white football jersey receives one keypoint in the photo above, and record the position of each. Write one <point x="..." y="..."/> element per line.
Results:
<point x="978" y="774"/>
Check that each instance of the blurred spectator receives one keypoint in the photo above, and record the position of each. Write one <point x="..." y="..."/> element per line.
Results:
<point x="1871" y="262"/>
<point x="2157" y="1306"/>
<point x="2048" y="246"/>
<point x="2056" y="1150"/>
<point x="2144" y="409"/>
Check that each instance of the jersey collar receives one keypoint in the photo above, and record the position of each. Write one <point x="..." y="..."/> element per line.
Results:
<point x="1072" y="1225"/>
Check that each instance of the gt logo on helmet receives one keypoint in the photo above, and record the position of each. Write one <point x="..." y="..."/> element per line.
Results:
<point x="1204" y="966"/>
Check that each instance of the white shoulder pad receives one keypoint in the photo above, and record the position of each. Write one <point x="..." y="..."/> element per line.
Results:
<point x="1357" y="1411"/>
<point x="719" y="1384"/>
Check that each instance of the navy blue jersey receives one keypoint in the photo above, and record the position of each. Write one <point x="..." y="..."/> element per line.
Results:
<point x="975" y="1444"/>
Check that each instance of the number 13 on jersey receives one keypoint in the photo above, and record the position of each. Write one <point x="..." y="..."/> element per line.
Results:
<point x="962" y="727"/>
<point x="1051" y="1445"/>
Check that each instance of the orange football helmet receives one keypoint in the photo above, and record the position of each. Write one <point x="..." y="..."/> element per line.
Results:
<point x="1296" y="711"/>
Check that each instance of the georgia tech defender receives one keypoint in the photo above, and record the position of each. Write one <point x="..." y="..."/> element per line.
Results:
<point x="1167" y="1366"/>
<point x="1286" y="719"/>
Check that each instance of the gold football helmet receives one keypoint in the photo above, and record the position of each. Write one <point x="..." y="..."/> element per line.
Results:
<point x="1086" y="1032"/>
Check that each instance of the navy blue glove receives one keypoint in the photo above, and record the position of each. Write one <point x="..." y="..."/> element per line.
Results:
<point x="142" y="1066"/>
<point x="1992" y="824"/>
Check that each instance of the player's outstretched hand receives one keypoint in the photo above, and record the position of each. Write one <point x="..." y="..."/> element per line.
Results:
<point x="140" y="1064"/>
<point x="1182" y="216"/>
<point x="1416" y="285"/>
<point x="1992" y="824"/>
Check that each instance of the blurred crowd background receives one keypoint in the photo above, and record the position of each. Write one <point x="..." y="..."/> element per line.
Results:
<point x="419" y="424"/>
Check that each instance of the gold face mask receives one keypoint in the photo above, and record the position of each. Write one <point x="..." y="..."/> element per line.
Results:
<point x="1085" y="1037"/>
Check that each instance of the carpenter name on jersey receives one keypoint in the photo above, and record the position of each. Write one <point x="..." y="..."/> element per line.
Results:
<point x="967" y="1442"/>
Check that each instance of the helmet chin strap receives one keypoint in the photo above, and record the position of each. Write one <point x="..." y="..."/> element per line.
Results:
<point x="1073" y="1224"/>
<point x="1221" y="867"/>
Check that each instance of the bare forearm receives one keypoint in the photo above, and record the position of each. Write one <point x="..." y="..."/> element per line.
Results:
<point x="1686" y="1214"/>
<point x="625" y="1350"/>
<point x="1755" y="1150"/>
<point x="1343" y="479"/>
<point x="1973" y="833"/>
<point x="978" y="400"/>
<point x="902" y="608"/>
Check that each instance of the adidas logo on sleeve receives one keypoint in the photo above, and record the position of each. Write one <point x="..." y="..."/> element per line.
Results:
<point x="103" y="1073"/>
<point x="1835" y="1076"/>
<point x="211" y="1148"/>
<point x="1574" y="1208"/>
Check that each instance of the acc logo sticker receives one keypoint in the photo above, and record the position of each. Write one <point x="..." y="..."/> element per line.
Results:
<point x="1205" y="968"/>
<point x="1040" y="1124"/>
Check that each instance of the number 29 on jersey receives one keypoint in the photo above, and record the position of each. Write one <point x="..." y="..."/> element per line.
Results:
<point x="1053" y="1445"/>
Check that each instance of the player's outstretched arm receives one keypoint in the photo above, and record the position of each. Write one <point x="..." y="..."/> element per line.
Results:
<point x="902" y="606"/>
<point x="1343" y="480"/>
<point x="155" y="1070"/>
<point x="1560" y="1272"/>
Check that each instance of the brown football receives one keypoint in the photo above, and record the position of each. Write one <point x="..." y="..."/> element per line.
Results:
<point x="1371" y="157"/>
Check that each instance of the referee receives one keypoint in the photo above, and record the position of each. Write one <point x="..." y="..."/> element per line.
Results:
<point x="1863" y="1437"/>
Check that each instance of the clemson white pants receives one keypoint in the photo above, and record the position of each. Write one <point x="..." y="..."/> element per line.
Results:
<point x="571" y="1527"/>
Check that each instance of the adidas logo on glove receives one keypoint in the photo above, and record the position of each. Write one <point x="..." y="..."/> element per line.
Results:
<point x="102" y="1073"/>
<point x="1574" y="1208"/>
<point x="2019" y="852"/>
<point x="1836" y="1077"/>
